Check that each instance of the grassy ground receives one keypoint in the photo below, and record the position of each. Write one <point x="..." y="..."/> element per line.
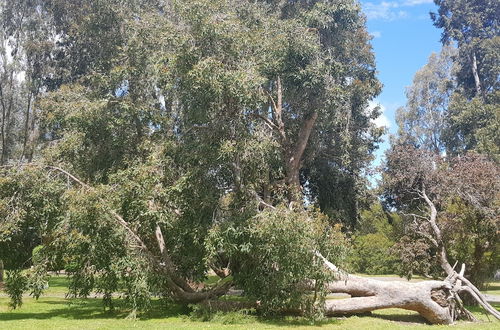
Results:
<point x="56" y="312"/>
<point x="59" y="313"/>
<point x="493" y="288"/>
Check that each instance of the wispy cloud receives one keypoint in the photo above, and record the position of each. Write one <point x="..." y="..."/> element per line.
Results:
<point x="376" y="34"/>
<point x="390" y="10"/>
<point x="417" y="2"/>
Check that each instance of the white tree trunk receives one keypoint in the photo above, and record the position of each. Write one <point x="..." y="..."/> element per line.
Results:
<point x="428" y="298"/>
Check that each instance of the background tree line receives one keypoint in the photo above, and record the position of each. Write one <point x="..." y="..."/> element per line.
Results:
<point x="448" y="143"/>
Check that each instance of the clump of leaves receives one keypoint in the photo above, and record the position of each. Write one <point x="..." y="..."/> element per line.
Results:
<point x="38" y="279"/>
<point x="16" y="284"/>
<point x="275" y="257"/>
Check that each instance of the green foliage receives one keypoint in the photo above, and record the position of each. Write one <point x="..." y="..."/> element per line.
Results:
<point x="31" y="208"/>
<point x="38" y="277"/>
<point x="372" y="255"/>
<point x="472" y="24"/>
<point x="277" y="258"/>
<point x="422" y="121"/>
<point x="16" y="283"/>
<point x="473" y="125"/>
<point x="372" y="246"/>
<point x="471" y="238"/>
<point x="163" y="109"/>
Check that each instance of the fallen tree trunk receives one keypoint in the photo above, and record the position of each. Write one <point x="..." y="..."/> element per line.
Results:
<point x="431" y="299"/>
<point x="437" y="301"/>
<point x="428" y="298"/>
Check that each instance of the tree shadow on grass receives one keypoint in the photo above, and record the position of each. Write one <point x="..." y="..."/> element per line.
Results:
<point x="413" y="318"/>
<point x="84" y="309"/>
<point x="297" y="321"/>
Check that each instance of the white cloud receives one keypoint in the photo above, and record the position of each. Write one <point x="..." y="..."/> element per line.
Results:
<point x="383" y="10"/>
<point x="390" y="10"/>
<point x="376" y="34"/>
<point x="417" y="2"/>
<point x="382" y="120"/>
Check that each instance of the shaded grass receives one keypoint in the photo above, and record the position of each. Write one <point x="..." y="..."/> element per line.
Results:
<point x="57" y="312"/>
<point x="57" y="285"/>
<point x="60" y="313"/>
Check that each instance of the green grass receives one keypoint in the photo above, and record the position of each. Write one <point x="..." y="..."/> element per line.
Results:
<point x="58" y="285"/>
<point x="55" y="312"/>
<point x="493" y="288"/>
<point x="60" y="313"/>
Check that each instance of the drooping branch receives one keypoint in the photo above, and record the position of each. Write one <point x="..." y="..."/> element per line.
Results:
<point x="179" y="287"/>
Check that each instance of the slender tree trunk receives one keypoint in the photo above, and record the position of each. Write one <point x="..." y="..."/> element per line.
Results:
<point x="26" y="128"/>
<point x="6" y="118"/>
<point x="475" y="73"/>
<point x="3" y="127"/>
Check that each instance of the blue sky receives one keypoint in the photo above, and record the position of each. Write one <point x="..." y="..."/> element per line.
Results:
<point x="403" y="39"/>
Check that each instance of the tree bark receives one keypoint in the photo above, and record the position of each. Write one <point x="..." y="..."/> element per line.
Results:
<point x="475" y="73"/>
<point x="428" y="298"/>
<point x="292" y="151"/>
<point x="295" y="154"/>
<point x="26" y="134"/>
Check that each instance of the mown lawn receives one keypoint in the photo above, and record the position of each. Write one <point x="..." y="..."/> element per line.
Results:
<point x="59" y="313"/>
<point x="56" y="312"/>
<point x="493" y="288"/>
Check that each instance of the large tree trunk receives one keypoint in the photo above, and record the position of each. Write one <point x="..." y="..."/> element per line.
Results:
<point x="436" y="301"/>
<point x="428" y="298"/>
<point x="292" y="151"/>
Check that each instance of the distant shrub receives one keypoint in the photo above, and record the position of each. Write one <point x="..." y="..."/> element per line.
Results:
<point x="372" y="255"/>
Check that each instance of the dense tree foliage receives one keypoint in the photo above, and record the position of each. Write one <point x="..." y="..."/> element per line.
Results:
<point x="175" y="137"/>
<point x="463" y="192"/>
<point x="472" y="115"/>
<point x="372" y="243"/>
